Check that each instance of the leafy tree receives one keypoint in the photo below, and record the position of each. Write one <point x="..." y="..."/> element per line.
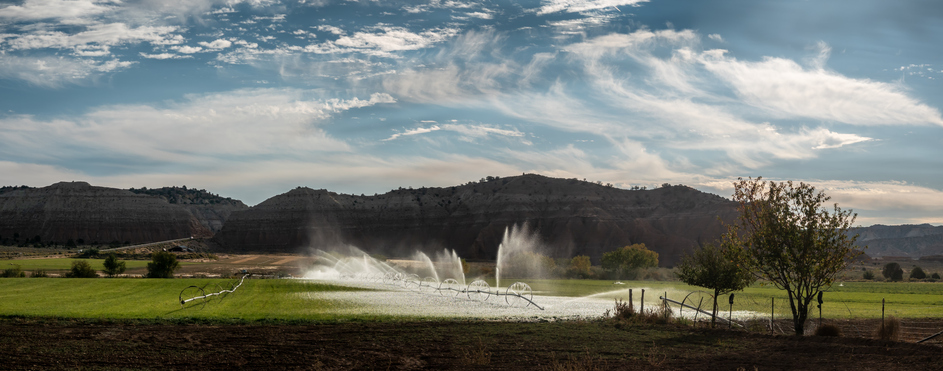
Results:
<point x="790" y="239"/>
<point x="580" y="266"/>
<point x="935" y="276"/>
<point x="893" y="272"/>
<point x="81" y="269"/>
<point x="868" y="275"/>
<point x="113" y="266"/>
<point x="714" y="267"/>
<point x="162" y="265"/>
<point x="917" y="273"/>
<point x="629" y="258"/>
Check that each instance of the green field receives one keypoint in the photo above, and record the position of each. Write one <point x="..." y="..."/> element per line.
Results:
<point x="63" y="265"/>
<point x="274" y="299"/>
<point x="125" y="298"/>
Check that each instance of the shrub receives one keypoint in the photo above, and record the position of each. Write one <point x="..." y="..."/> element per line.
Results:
<point x="917" y="273"/>
<point x="81" y="269"/>
<point x="935" y="276"/>
<point x="828" y="330"/>
<point x="893" y="272"/>
<point x="39" y="273"/>
<point x="868" y="275"/>
<point x="13" y="272"/>
<point x="162" y="265"/>
<point x="113" y="266"/>
<point x="890" y="330"/>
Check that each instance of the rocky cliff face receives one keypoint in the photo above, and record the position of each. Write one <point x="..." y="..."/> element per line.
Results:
<point x="571" y="217"/>
<point x="911" y="241"/>
<point x="77" y="210"/>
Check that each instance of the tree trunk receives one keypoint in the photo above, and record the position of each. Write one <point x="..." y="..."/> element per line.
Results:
<point x="803" y="315"/>
<point x="714" y="312"/>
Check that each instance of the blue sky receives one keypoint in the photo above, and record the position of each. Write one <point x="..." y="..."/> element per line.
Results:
<point x="252" y="98"/>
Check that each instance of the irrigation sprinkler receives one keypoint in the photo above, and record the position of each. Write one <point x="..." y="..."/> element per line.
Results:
<point x="191" y="292"/>
<point x="518" y="295"/>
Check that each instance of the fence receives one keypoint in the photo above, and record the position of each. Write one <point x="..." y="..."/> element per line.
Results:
<point x="919" y="320"/>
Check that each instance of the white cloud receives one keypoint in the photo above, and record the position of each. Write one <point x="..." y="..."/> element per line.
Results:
<point x="54" y="72"/>
<point x="415" y="131"/>
<point x="200" y="130"/>
<point x="217" y="44"/>
<point x="576" y="6"/>
<point x="65" y="10"/>
<point x="465" y="130"/>
<point x="783" y="86"/>
<point x="715" y="37"/>
<point x="95" y="36"/>
<point x="164" y="56"/>
<point x="186" y="49"/>
<point x="383" y="41"/>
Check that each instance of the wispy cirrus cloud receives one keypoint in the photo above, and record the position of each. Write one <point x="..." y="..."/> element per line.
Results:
<point x="466" y="131"/>
<point x="576" y="6"/>
<point x="267" y="122"/>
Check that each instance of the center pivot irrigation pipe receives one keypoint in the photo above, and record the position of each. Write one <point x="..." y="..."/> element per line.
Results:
<point x="203" y="293"/>
<point x="519" y="294"/>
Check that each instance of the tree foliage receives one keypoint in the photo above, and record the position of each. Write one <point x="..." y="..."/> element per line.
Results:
<point x="162" y="265"/>
<point x="715" y="267"/>
<point x="790" y="239"/>
<point x="917" y="273"/>
<point x="629" y="258"/>
<point x="113" y="266"/>
<point x="81" y="269"/>
<point x="893" y="272"/>
<point x="580" y="267"/>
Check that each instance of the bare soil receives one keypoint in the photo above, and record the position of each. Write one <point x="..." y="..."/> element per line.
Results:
<point x="600" y="345"/>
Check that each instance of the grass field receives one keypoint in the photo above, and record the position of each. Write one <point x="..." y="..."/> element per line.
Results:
<point x="123" y="298"/>
<point x="279" y="300"/>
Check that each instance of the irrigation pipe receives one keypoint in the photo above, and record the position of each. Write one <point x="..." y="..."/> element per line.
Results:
<point x="185" y="301"/>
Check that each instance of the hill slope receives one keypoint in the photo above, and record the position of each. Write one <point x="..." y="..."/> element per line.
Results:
<point x="571" y="217"/>
<point x="77" y="210"/>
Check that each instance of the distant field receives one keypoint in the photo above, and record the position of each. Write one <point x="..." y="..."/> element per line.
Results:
<point x="64" y="264"/>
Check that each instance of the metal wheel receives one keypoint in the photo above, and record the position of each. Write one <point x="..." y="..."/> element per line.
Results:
<point x="450" y="287"/>
<point x="428" y="284"/>
<point x="479" y="290"/>
<point x="519" y="295"/>
<point x="188" y="294"/>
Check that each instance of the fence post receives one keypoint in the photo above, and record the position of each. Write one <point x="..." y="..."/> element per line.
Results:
<point x="641" y="304"/>
<point x="730" y="314"/>
<point x="664" y="304"/>
<point x="882" y="315"/>
<point x="631" y="305"/>
<point x="772" y="314"/>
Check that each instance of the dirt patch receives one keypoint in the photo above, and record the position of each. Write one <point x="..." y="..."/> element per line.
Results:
<point x="440" y="345"/>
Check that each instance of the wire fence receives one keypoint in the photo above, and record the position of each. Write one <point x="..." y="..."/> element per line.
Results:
<point x="915" y="322"/>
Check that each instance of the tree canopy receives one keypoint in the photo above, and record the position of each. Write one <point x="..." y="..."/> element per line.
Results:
<point x="113" y="266"/>
<point x="715" y="267"/>
<point x="162" y="265"/>
<point x="790" y="239"/>
<point x="630" y="257"/>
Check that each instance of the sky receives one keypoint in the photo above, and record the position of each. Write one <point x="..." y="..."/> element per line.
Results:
<point x="252" y="98"/>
